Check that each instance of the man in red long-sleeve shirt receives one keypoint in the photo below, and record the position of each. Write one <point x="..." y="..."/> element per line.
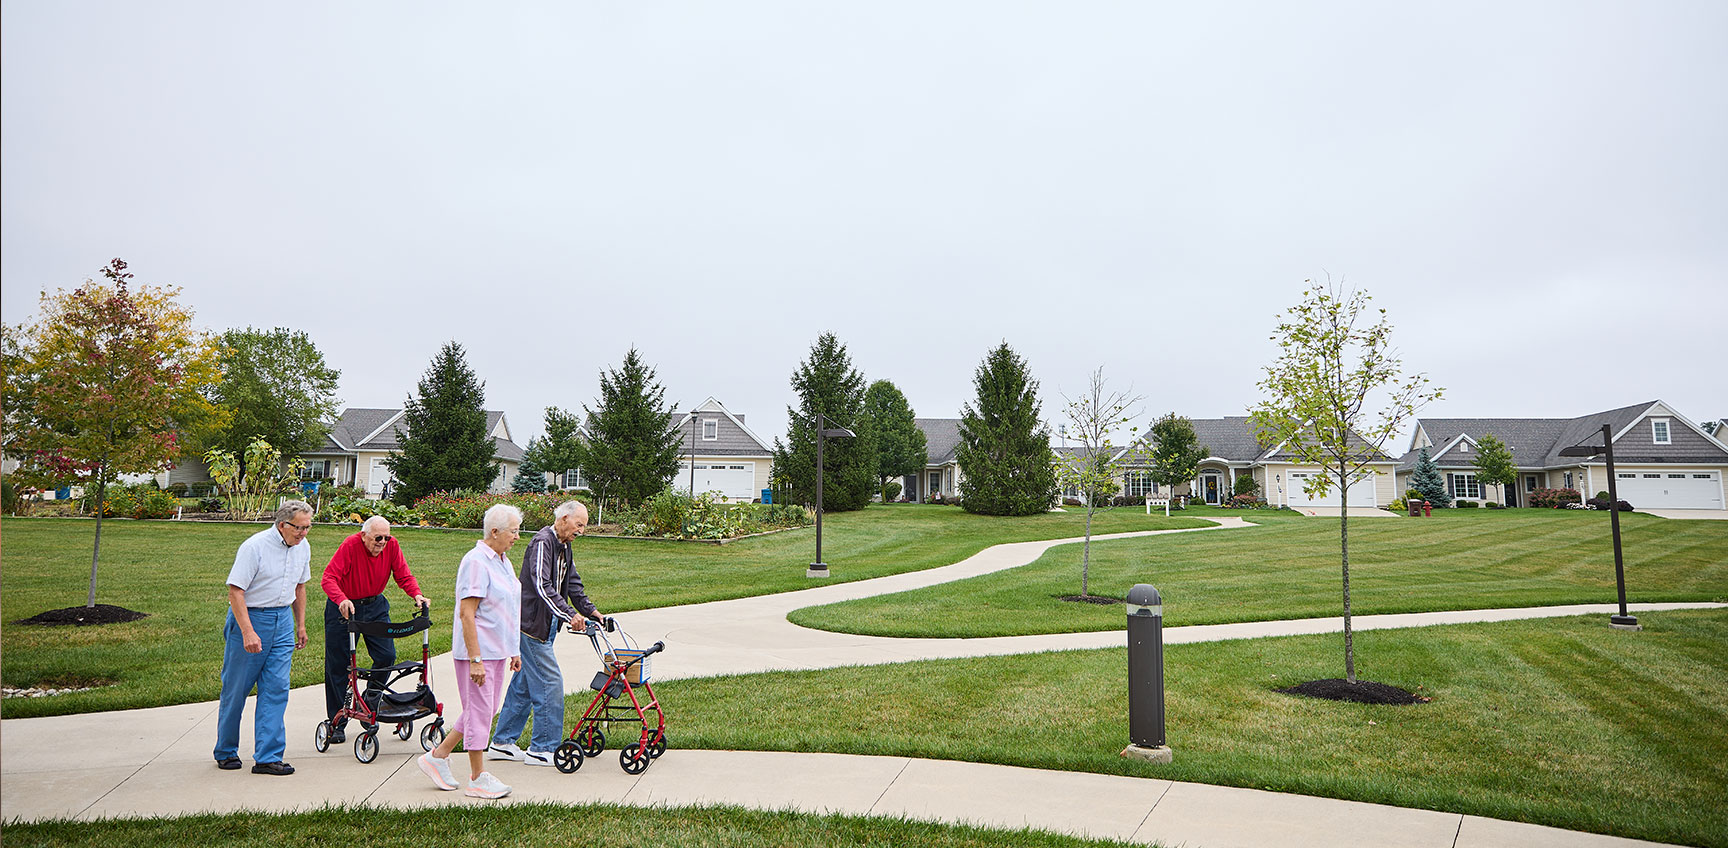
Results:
<point x="354" y="582"/>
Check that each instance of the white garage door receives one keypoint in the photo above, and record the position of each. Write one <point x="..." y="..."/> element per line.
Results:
<point x="736" y="479"/>
<point x="1361" y="491"/>
<point x="1670" y="489"/>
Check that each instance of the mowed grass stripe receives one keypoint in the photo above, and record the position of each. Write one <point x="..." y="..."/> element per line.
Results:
<point x="1561" y="722"/>
<point x="1289" y="568"/>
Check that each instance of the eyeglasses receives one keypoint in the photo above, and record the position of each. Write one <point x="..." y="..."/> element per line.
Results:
<point x="299" y="528"/>
<point x="381" y="537"/>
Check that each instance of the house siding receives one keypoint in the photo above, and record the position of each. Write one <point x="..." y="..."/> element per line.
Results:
<point x="1686" y="444"/>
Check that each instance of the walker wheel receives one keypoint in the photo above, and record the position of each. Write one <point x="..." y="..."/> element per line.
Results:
<point x="431" y="735"/>
<point x="366" y="747"/>
<point x="321" y="736"/>
<point x="631" y="759"/>
<point x="568" y="758"/>
<point x="658" y="746"/>
<point x="405" y="731"/>
<point x="592" y="740"/>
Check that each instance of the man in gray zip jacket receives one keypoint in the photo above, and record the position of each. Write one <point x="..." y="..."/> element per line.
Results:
<point x="552" y="598"/>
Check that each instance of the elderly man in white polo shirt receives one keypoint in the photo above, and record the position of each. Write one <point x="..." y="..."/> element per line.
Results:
<point x="266" y="586"/>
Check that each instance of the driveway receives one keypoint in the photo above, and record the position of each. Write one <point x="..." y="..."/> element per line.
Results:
<point x="1705" y="514"/>
<point x="1355" y="512"/>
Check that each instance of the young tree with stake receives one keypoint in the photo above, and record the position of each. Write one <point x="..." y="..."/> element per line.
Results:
<point x="1094" y="469"/>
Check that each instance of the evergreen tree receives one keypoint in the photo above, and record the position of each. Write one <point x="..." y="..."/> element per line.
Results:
<point x="1006" y="465"/>
<point x="1427" y="480"/>
<point x="632" y="449"/>
<point x="530" y="478"/>
<point x="900" y="448"/>
<point x="446" y="446"/>
<point x="827" y="383"/>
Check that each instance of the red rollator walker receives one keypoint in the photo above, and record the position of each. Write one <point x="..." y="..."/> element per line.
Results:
<point x="380" y="703"/>
<point x="622" y="694"/>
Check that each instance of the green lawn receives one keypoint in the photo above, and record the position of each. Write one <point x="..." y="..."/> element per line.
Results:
<point x="1288" y="568"/>
<point x="1561" y="722"/>
<point x="175" y="572"/>
<point x="487" y="826"/>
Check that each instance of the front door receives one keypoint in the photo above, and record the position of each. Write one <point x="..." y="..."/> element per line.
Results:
<point x="1211" y="485"/>
<point x="935" y="485"/>
<point x="1511" y="495"/>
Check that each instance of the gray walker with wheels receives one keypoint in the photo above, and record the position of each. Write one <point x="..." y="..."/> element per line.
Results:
<point x="622" y="694"/>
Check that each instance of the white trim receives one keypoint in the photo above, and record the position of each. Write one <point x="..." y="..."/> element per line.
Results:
<point x="712" y="405"/>
<point x="1666" y="436"/>
<point x="393" y="419"/>
<point x="710" y="422"/>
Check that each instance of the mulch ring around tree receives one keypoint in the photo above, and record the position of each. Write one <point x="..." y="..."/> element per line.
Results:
<point x="84" y="616"/>
<point x="1361" y="692"/>
<point x="1089" y="599"/>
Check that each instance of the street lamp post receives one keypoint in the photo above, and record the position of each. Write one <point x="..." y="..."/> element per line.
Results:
<point x="1624" y="620"/>
<point x="820" y="568"/>
<point x="694" y="423"/>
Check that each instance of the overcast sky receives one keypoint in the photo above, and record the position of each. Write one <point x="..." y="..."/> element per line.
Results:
<point x="1537" y="192"/>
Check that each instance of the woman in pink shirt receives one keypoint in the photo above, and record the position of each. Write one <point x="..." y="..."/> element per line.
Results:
<point x="484" y="643"/>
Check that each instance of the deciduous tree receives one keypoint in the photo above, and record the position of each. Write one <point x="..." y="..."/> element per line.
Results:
<point x="1335" y="358"/>
<point x="446" y="446"/>
<point x="1494" y="464"/>
<point x="1093" y="419"/>
<point x="276" y="387"/>
<point x="114" y="375"/>
<point x="632" y="444"/>
<point x="1004" y="453"/>
<point x="900" y="445"/>
<point x="1175" y="453"/>
<point x="827" y="383"/>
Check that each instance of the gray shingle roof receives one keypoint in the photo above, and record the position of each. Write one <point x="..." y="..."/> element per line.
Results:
<point x="357" y="423"/>
<point x="1232" y="439"/>
<point x="941" y="437"/>
<point x="1535" y="442"/>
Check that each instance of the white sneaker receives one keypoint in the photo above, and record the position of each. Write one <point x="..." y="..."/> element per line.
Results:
<point x="538" y="758"/>
<point x="486" y="786"/>
<point x="506" y="751"/>
<point x="438" y="770"/>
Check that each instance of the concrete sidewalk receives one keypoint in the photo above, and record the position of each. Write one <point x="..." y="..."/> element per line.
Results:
<point x="158" y="761"/>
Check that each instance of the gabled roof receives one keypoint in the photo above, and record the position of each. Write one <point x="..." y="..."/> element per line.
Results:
<point x="732" y="438"/>
<point x="364" y="429"/>
<point x="1232" y="439"/>
<point x="1535" y="442"/>
<point x="941" y="438"/>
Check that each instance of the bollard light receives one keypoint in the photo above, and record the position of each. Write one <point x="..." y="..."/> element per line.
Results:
<point x="1146" y="676"/>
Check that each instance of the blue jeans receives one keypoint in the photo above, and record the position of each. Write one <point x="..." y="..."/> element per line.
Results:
<point x="268" y="670"/>
<point x="537" y="688"/>
<point x="382" y="649"/>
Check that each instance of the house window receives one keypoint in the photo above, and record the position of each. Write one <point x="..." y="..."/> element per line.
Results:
<point x="710" y="430"/>
<point x="1676" y="476"/>
<point x="1463" y="486"/>
<point x="317" y="469"/>
<point x="1652" y="476"/>
<point x="573" y="479"/>
<point x="1463" y="447"/>
<point x="1627" y="476"/>
<point x="1702" y="477"/>
<point x="1529" y="482"/>
<point x="1659" y="431"/>
<point x="1137" y="484"/>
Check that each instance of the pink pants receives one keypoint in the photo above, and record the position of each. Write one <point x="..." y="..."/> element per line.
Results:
<point x="479" y="703"/>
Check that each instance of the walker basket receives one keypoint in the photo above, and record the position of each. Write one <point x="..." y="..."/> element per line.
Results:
<point x="639" y="672"/>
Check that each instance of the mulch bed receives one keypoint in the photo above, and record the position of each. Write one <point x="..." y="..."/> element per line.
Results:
<point x="84" y="616"/>
<point x="1361" y="692"/>
<point x="1089" y="599"/>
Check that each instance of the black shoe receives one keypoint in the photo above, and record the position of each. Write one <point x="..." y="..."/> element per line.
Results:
<point x="229" y="764"/>
<point x="273" y="768"/>
<point x="338" y="736"/>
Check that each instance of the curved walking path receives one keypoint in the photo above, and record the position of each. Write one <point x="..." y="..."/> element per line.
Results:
<point x="157" y="761"/>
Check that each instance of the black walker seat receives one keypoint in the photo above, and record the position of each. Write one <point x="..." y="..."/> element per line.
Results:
<point x="379" y="702"/>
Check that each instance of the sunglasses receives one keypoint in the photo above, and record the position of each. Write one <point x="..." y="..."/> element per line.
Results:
<point x="380" y="537"/>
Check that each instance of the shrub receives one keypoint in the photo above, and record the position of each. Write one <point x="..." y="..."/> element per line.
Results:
<point x="1245" y="485"/>
<point x="1243" y="501"/>
<point x="1554" y="498"/>
<point x="1398" y="505"/>
<point x="1601" y="496"/>
<point x="211" y="504"/>
<point x="156" y="503"/>
<point x="8" y="496"/>
<point x="1601" y="502"/>
<point x="891" y="491"/>
<point x="1128" y="500"/>
<point x="176" y="489"/>
<point x="201" y="489"/>
<point x="1492" y="505"/>
<point x="1466" y="504"/>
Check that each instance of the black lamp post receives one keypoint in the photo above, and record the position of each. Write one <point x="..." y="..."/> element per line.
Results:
<point x="820" y="568"/>
<point x="1623" y="620"/>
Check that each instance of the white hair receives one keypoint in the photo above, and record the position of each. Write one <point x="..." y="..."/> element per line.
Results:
<point x="569" y="508"/>
<point x="376" y="519"/>
<point x="499" y="517"/>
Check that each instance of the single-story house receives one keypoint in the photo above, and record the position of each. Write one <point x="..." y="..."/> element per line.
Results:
<point x="722" y="454"/>
<point x="941" y="472"/>
<point x="1234" y="450"/>
<point x="1661" y="458"/>
<point x="353" y="453"/>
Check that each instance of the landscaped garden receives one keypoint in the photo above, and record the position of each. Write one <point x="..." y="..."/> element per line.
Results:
<point x="1288" y="568"/>
<point x="174" y="571"/>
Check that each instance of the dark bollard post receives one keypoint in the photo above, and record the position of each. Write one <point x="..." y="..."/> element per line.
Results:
<point x="1146" y="676"/>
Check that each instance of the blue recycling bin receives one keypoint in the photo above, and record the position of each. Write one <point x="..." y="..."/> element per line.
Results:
<point x="767" y="496"/>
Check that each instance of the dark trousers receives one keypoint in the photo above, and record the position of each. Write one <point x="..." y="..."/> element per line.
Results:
<point x="382" y="649"/>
